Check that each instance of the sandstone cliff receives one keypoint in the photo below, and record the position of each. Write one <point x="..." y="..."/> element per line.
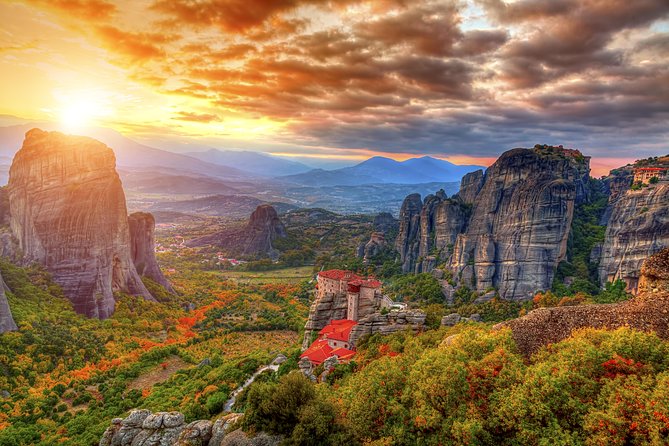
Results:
<point x="388" y="323"/>
<point x="649" y="311"/>
<point x="638" y="226"/>
<point x="470" y="186"/>
<point x="68" y="212"/>
<point x="143" y="248"/>
<point x="256" y="238"/>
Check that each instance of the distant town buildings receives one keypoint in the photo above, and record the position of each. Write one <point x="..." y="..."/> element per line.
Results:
<point x="645" y="174"/>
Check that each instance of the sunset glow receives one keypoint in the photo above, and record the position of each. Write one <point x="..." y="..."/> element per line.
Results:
<point x="459" y="80"/>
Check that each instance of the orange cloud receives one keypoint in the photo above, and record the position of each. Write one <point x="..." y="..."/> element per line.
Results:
<point x="95" y="10"/>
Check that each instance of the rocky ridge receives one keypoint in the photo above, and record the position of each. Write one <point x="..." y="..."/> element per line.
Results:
<point x="388" y="323"/>
<point x="67" y="212"/>
<point x="648" y="311"/>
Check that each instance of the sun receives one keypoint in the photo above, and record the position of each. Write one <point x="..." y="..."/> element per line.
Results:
<point x="77" y="111"/>
<point x="77" y="115"/>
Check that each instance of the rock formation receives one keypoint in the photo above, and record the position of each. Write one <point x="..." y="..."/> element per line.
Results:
<point x="649" y="311"/>
<point x="638" y="227"/>
<point x="508" y="228"/>
<point x="408" y="240"/>
<point x="68" y="212"/>
<point x="520" y="222"/>
<point x="254" y="239"/>
<point x="385" y="222"/>
<point x="388" y="323"/>
<point x="470" y="186"/>
<point x="142" y="428"/>
<point x="6" y="320"/>
<point x="143" y="248"/>
<point x="374" y="246"/>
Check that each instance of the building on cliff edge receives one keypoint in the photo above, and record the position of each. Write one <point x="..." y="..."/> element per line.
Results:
<point x="645" y="174"/>
<point x="362" y="296"/>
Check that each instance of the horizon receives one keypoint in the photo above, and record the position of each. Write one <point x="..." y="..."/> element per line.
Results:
<point x="462" y="81"/>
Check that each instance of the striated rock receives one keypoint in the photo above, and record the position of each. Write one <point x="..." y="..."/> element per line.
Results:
<point x="638" y="227"/>
<point x="520" y="222"/>
<point x="426" y="236"/>
<point x="391" y="322"/>
<point x="143" y="248"/>
<point x="470" y="186"/>
<point x="254" y="239"/>
<point x="649" y="312"/>
<point x="68" y="212"/>
<point x="6" y="319"/>
<point x="407" y="241"/>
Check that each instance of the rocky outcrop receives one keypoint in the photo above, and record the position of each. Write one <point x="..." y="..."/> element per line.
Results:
<point x="470" y="186"/>
<point x="388" y="323"/>
<point x="637" y="228"/>
<point x="330" y="306"/>
<point x="649" y="312"/>
<point x="374" y="246"/>
<point x="142" y="428"/>
<point x="256" y="238"/>
<point x="143" y="248"/>
<point x="427" y="236"/>
<point x="6" y="320"/>
<point x="407" y="241"/>
<point x="68" y="212"/>
<point x="520" y="221"/>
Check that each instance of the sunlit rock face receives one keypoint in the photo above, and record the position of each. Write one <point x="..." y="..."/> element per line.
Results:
<point x="68" y="212"/>
<point x="143" y="247"/>
<point x="637" y="228"/>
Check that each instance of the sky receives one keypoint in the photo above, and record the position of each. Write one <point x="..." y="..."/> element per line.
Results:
<point x="461" y="80"/>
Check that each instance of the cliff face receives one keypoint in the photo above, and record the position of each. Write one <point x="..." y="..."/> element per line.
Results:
<point x="407" y="240"/>
<point x="143" y="247"/>
<point x="6" y="320"/>
<point x="638" y="227"/>
<point x="521" y="221"/>
<point x="507" y="228"/>
<point x="67" y="211"/>
<point x="428" y="230"/>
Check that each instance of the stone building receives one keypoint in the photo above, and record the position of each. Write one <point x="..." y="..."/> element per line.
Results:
<point x="645" y="174"/>
<point x="363" y="294"/>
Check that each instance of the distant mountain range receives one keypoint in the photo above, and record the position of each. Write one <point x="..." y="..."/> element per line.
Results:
<point x="379" y="170"/>
<point x="257" y="163"/>
<point x="235" y="166"/>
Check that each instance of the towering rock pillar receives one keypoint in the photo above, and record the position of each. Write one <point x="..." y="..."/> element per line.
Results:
<point x="143" y="246"/>
<point x="6" y="320"/>
<point x="68" y="212"/>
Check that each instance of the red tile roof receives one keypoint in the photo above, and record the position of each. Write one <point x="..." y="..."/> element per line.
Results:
<point x="318" y="352"/>
<point x="339" y="274"/>
<point x="343" y="353"/>
<point x="337" y="330"/>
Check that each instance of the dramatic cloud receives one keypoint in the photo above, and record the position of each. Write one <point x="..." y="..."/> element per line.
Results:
<point x="445" y="77"/>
